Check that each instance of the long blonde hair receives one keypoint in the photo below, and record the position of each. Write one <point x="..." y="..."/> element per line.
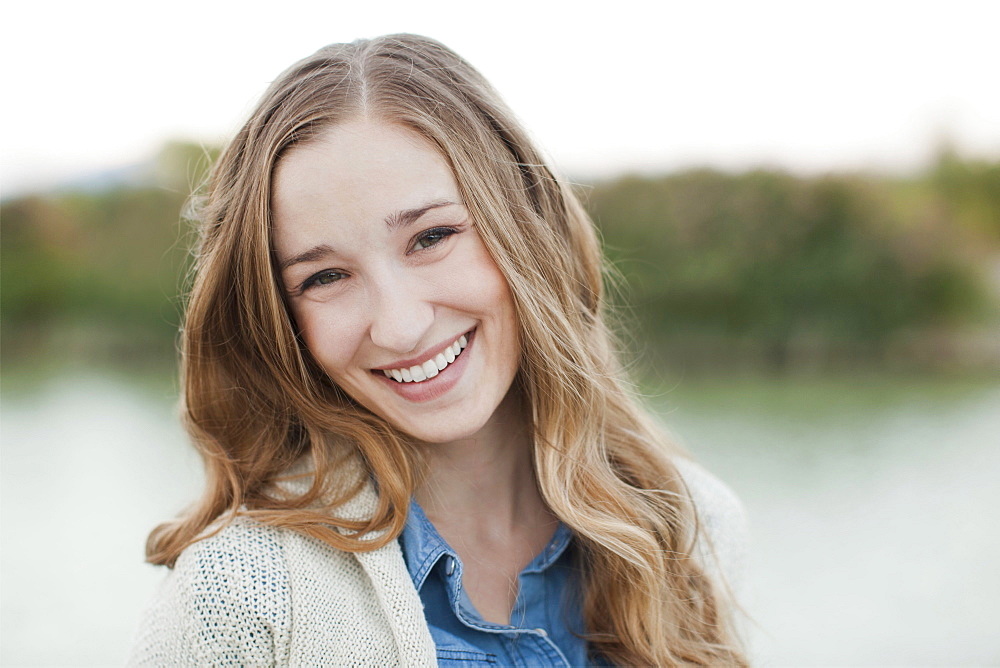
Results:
<point x="255" y="402"/>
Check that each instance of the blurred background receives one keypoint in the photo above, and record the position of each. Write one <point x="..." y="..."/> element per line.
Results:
<point x="802" y="203"/>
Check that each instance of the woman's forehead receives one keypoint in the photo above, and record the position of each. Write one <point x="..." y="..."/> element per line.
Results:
<point x="368" y="153"/>
<point x="359" y="172"/>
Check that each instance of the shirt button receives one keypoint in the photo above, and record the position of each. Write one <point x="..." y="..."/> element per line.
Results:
<point x="449" y="566"/>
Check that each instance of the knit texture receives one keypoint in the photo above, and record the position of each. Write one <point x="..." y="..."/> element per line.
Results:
<point x="254" y="595"/>
<point x="724" y="536"/>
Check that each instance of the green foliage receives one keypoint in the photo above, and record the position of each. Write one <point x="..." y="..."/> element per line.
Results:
<point x="969" y="191"/>
<point x="774" y="259"/>
<point x="115" y="257"/>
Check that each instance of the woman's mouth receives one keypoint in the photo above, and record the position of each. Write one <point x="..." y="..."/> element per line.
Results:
<point x="431" y="367"/>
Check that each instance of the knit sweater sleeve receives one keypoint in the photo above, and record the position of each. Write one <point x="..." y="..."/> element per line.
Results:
<point x="723" y="532"/>
<point x="225" y="603"/>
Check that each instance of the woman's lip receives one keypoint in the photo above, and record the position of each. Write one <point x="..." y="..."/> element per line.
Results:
<point x="428" y="354"/>
<point x="432" y="388"/>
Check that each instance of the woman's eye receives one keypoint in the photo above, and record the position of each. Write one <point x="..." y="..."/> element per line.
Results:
<point x="432" y="238"/>
<point x="323" y="278"/>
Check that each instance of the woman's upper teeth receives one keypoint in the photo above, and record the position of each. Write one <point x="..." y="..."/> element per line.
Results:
<point x="431" y="367"/>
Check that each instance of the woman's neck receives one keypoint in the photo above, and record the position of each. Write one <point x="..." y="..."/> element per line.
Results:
<point x="482" y="496"/>
<point x="487" y="480"/>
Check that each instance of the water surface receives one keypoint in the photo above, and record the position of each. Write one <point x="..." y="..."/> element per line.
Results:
<point x="872" y="503"/>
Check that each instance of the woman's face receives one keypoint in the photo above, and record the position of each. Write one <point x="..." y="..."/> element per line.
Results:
<point x="388" y="279"/>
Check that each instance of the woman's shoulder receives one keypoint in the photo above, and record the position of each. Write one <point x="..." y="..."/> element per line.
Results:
<point x="722" y="522"/>
<point x="232" y="597"/>
<point x="718" y="506"/>
<point x="225" y="602"/>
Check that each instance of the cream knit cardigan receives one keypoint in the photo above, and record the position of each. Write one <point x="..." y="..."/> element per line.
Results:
<point x="255" y="595"/>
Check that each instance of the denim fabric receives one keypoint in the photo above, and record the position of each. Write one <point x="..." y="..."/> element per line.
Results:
<point x="543" y="621"/>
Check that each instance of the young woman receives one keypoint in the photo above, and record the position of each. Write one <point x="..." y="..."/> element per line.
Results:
<point x="418" y="443"/>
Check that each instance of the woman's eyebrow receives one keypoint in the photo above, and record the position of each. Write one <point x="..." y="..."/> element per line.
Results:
<point x="311" y="255"/>
<point x="409" y="216"/>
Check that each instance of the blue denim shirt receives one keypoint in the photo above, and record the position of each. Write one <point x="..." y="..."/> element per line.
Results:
<point x="545" y="615"/>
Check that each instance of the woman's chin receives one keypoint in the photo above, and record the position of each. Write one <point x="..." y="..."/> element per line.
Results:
<point x="438" y="434"/>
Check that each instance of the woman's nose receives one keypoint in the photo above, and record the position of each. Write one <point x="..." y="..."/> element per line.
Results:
<point x="400" y="315"/>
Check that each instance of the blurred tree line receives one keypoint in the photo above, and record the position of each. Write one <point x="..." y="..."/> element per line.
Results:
<point x="780" y="270"/>
<point x="762" y="267"/>
<point x="98" y="273"/>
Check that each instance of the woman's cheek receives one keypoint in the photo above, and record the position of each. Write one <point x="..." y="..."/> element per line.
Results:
<point x="329" y="338"/>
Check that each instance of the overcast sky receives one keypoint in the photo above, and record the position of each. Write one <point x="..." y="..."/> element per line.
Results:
<point x="810" y="86"/>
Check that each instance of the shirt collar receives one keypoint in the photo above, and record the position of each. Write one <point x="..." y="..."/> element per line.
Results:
<point x="557" y="545"/>
<point x="423" y="546"/>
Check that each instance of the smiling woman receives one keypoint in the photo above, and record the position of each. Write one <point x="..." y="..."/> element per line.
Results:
<point x="418" y="444"/>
